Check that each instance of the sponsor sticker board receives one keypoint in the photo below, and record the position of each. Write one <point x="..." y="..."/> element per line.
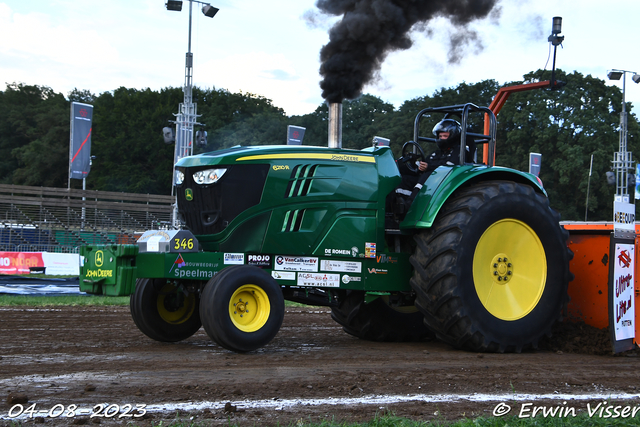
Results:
<point x="326" y="280"/>
<point x="233" y="259"/>
<point x="283" y="275"/>
<point x="341" y="266"/>
<point x="295" y="263"/>
<point x="623" y="292"/>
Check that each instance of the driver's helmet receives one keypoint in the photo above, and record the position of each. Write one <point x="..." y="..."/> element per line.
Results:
<point x="454" y="129"/>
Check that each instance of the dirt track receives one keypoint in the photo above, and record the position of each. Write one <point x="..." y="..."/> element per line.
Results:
<point x="96" y="355"/>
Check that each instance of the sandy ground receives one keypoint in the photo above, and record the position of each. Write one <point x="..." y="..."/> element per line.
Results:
<point x="83" y="360"/>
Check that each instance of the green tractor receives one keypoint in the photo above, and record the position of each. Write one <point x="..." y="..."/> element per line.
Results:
<point x="476" y="257"/>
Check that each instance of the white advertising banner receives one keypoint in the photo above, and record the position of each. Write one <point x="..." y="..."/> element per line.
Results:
<point x="61" y="264"/>
<point x="624" y="216"/>
<point x="55" y="264"/>
<point x="623" y="293"/>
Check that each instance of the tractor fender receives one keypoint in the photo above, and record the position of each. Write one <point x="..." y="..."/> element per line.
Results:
<point x="445" y="180"/>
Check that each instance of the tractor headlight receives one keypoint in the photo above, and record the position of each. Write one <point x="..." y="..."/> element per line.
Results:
<point x="179" y="177"/>
<point x="209" y="176"/>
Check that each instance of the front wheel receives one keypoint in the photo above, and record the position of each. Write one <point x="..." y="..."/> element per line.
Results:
<point x="164" y="311"/>
<point x="242" y="308"/>
<point x="492" y="273"/>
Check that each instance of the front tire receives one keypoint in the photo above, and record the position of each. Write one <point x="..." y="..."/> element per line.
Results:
<point x="242" y="308"/>
<point x="492" y="273"/>
<point x="163" y="311"/>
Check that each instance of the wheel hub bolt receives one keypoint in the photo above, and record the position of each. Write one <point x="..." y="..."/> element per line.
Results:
<point x="501" y="268"/>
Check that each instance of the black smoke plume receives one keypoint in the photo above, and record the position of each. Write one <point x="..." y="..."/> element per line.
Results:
<point x="370" y="29"/>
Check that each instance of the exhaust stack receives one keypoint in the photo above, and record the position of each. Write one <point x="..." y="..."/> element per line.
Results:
<point x="335" y="124"/>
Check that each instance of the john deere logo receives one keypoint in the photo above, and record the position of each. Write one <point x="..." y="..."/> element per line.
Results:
<point x="99" y="258"/>
<point x="188" y="194"/>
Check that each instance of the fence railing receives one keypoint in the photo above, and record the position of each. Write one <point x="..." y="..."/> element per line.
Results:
<point x="44" y="217"/>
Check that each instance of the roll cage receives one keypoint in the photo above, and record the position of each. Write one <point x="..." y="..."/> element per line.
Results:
<point x="462" y="111"/>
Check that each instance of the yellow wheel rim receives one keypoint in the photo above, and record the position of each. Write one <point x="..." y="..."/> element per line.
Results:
<point x="249" y="308"/>
<point x="509" y="269"/>
<point x="174" y="306"/>
<point x="405" y="309"/>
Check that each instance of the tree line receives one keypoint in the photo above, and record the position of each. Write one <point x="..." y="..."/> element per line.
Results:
<point x="566" y="125"/>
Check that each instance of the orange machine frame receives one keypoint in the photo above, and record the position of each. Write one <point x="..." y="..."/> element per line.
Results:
<point x="588" y="291"/>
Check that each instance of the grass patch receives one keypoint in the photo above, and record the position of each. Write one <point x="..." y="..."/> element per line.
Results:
<point x="388" y="420"/>
<point x="60" y="300"/>
<point x="77" y="300"/>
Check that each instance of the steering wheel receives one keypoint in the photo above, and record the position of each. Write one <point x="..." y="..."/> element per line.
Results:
<point x="410" y="156"/>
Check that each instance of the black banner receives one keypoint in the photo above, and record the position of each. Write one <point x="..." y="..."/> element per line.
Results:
<point x="80" y="146"/>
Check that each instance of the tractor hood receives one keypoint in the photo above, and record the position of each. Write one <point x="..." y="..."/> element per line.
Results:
<point x="233" y="199"/>
<point x="270" y="153"/>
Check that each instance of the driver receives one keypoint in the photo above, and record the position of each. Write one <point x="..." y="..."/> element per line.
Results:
<point x="447" y="133"/>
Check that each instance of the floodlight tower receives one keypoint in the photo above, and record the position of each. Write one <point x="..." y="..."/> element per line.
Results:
<point x="622" y="160"/>
<point x="187" y="110"/>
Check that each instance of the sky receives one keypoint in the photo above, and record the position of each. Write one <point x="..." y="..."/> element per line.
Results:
<point x="271" y="48"/>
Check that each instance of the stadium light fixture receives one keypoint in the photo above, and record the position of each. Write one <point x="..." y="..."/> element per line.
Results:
<point x="209" y="10"/>
<point x="615" y="75"/>
<point x="174" y="5"/>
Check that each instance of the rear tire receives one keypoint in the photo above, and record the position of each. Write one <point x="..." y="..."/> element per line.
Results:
<point x="242" y="308"/>
<point x="377" y="321"/>
<point x="492" y="273"/>
<point x="164" y="312"/>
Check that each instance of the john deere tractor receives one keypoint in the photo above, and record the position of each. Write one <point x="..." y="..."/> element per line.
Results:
<point x="477" y="258"/>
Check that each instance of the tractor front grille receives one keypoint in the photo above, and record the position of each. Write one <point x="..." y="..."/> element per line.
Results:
<point x="208" y="209"/>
